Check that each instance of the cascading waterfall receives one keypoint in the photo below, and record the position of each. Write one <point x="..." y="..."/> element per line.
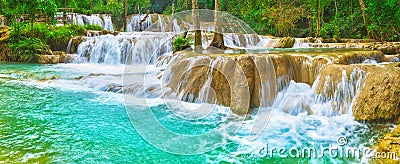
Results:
<point x="161" y="23"/>
<point x="282" y="93"/>
<point x="78" y="20"/>
<point x="2" y="21"/>
<point x="301" y="43"/>
<point x="268" y="89"/>
<point x="108" y="25"/>
<point x="176" y="27"/>
<point x="244" y="40"/>
<point x="343" y="93"/>
<point x="95" y="19"/>
<point x="129" y="49"/>
<point x="133" y="23"/>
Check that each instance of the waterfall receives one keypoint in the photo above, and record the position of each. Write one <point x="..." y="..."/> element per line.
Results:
<point x="94" y="19"/>
<point x="78" y="19"/>
<point x="177" y="28"/>
<point x="161" y="23"/>
<point x="69" y="45"/>
<point x="133" y="23"/>
<point x="268" y="81"/>
<point x="301" y="43"/>
<point x="2" y="21"/>
<point x="129" y="49"/>
<point x="108" y="25"/>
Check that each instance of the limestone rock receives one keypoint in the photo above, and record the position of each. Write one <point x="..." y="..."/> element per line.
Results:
<point x="49" y="59"/>
<point x="231" y="81"/>
<point x="379" y="100"/>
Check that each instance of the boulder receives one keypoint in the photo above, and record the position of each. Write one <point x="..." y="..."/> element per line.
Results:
<point x="379" y="100"/>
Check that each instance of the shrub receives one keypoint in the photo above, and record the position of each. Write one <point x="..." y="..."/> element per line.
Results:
<point x="180" y="43"/>
<point x="29" y="49"/>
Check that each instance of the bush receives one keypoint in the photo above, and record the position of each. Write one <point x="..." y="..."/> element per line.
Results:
<point x="29" y="49"/>
<point x="180" y="43"/>
<point x="28" y="42"/>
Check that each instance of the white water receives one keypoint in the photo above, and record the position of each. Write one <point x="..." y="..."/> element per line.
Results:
<point x="127" y="48"/>
<point x="95" y="19"/>
<point x="2" y="21"/>
<point x="133" y="23"/>
<point x="289" y="124"/>
<point x="108" y="25"/>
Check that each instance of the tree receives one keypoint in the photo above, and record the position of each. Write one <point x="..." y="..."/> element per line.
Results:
<point x="218" y="38"/>
<point x="362" y="6"/>
<point x="196" y="23"/>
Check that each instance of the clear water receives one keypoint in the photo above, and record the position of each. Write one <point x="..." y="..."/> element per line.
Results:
<point x="48" y="116"/>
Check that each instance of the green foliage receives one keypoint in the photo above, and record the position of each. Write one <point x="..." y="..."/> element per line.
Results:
<point x="383" y="19"/>
<point x="180" y="43"/>
<point x="327" y="18"/>
<point x="29" y="49"/>
<point x="29" y="41"/>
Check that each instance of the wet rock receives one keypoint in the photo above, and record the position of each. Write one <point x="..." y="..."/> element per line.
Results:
<point x="48" y="59"/>
<point x="62" y="56"/>
<point x="287" y="42"/>
<point x="74" y="44"/>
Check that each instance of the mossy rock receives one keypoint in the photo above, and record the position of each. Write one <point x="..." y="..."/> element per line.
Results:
<point x="287" y="42"/>
<point x="388" y="143"/>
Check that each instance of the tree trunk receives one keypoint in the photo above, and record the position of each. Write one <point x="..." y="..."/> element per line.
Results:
<point x="218" y="38"/>
<point x="125" y="15"/>
<point x="318" y="18"/>
<point x="196" y="23"/>
<point x="362" y="6"/>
